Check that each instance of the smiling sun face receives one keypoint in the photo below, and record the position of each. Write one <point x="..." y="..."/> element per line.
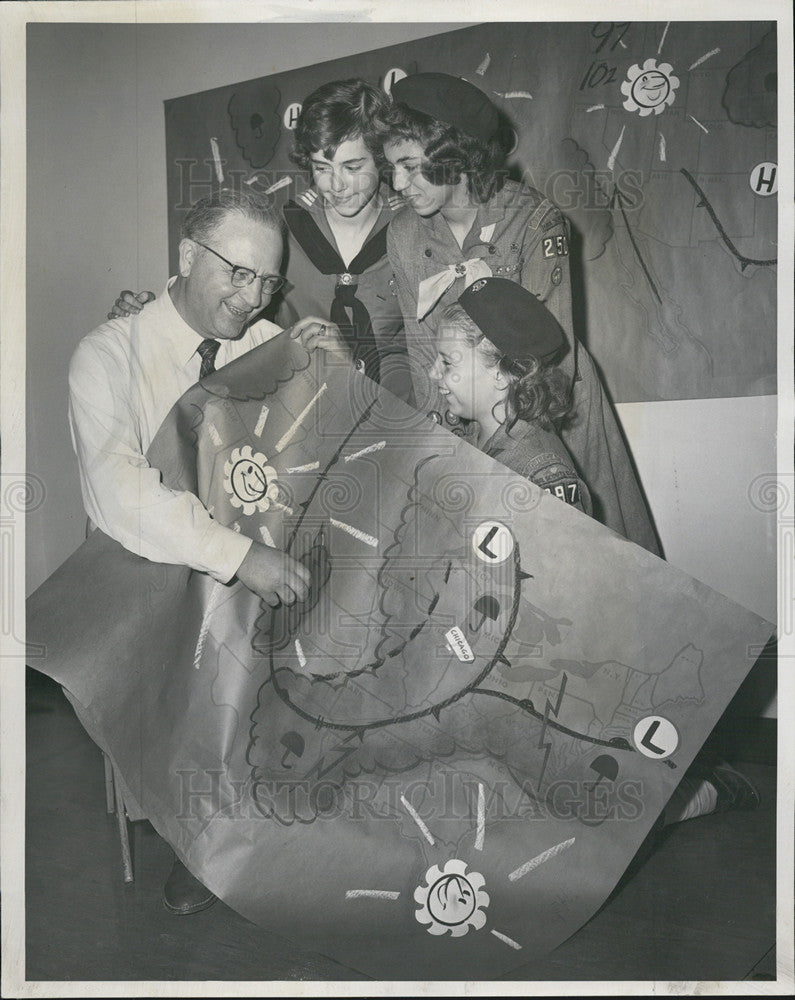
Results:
<point x="452" y="899"/>
<point x="249" y="480"/>
<point x="650" y="88"/>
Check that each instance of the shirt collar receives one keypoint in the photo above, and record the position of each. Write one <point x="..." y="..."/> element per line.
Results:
<point x="182" y="339"/>
<point x="312" y="203"/>
<point x="489" y="213"/>
<point x="502" y="439"/>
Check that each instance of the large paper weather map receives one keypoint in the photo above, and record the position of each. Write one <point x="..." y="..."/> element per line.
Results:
<point x="440" y="763"/>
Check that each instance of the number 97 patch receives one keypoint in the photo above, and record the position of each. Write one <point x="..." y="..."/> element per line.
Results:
<point x="557" y="478"/>
<point x="568" y="492"/>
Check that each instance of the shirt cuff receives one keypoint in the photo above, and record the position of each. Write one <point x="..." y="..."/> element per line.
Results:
<point x="225" y="550"/>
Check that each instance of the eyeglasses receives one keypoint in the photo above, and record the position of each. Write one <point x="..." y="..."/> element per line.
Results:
<point x="243" y="276"/>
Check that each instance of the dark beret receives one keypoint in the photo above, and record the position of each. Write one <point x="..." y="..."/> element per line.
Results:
<point x="512" y="318"/>
<point x="451" y="100"/>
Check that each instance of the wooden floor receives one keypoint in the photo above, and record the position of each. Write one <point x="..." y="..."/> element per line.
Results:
<point x="700" y="907"/>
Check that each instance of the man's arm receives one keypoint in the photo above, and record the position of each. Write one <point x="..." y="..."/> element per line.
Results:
<point x="124" y="496"/>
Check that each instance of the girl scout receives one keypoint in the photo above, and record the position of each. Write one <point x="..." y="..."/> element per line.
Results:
<point x="467" y="221"/>
<point x="494" y="349"/>
<point x="337" y="264"/>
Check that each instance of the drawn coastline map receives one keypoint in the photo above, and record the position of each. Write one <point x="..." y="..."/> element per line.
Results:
<point x="437" y="766"/>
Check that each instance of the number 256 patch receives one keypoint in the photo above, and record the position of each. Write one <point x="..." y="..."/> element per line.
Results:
<point x="567" y="492"/>
<point x="555" y="246"/>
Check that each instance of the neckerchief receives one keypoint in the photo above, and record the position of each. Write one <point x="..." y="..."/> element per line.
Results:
<point x="326" y="259"/>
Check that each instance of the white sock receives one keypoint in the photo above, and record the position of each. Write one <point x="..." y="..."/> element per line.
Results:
<point x="692" y="798"/>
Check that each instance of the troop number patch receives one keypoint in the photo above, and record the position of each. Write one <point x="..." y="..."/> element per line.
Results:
<point x="555" y="246"/>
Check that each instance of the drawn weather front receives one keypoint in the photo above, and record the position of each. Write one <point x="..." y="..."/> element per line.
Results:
<point x="459" y="717"/>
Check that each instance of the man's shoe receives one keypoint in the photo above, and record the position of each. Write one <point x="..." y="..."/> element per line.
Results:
<point x="183" y="893"/>
<point x="734" y="790"/>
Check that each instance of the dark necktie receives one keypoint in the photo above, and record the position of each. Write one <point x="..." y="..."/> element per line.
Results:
<point x="208" y="349"/>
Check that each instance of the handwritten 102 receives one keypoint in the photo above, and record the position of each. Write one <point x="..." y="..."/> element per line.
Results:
<point x="600" y="72"/>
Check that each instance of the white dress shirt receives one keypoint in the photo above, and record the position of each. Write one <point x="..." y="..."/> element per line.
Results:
<point x="124" y="377"/>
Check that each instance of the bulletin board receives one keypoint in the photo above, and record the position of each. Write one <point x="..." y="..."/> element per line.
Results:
<point x="658" y="141"/>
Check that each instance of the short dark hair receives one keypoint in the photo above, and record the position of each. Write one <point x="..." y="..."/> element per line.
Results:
<point x="208" y="213"/>
<point x="334" y="113"/>
<point x="448" y="151"/>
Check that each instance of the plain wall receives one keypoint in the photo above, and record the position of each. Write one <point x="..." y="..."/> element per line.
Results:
<point x="97" y="223"/>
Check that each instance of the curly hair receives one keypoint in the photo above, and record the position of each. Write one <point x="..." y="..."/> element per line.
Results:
<point x="538" y="391"/>
<point x="207" y="214"/>
<point x="335" y="113"/>
<point x="448" y="151"/>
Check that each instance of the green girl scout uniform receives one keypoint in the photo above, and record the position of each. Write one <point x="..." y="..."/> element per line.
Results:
<point x="520" y="235"/>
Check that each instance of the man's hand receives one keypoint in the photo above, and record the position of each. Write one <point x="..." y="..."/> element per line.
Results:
<point x="129" y="304"/>
<point x="312" y="333"/>
<point x="274" y="576"/>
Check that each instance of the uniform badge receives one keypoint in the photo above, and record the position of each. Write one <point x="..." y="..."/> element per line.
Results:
<point x="476" y="287"/>
<point x="568" y="492"/>
<point x="555" y="246"/>
<point x="552" y="219"/>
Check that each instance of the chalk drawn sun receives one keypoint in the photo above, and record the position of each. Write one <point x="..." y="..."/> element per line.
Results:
<point x="649" y="88"/>
<point x="250" y="481"/>
<point x="452" y="899"/>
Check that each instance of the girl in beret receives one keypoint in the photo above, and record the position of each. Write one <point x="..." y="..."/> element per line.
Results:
<point x="494" y="370"/>
<point x="466" y="221"/>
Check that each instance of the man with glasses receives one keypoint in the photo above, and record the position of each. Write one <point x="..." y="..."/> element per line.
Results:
<point x="126" y="375"/>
